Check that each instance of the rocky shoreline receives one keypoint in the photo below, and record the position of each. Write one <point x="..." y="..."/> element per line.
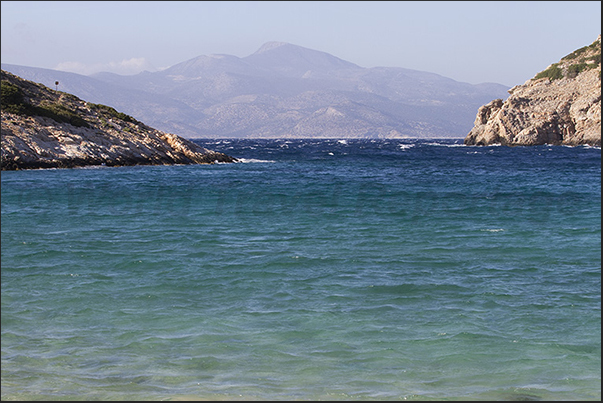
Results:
<point x="43" y="128"/>
<point x="559" y="106"/>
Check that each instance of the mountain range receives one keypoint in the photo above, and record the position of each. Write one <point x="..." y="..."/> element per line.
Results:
<point x="283" y="91"/>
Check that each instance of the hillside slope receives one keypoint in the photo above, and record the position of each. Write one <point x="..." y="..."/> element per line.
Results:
<point x="560" y="105"/>
<point x="44" y="128"/>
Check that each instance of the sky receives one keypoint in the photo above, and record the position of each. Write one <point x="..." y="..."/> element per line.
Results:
<point x="504" y="42"/>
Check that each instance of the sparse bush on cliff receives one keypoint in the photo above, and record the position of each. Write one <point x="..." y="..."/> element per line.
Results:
<point x="576" y="53"/>
<point x="555" y="72"/>
<point x="593" y="46"/>
<point x="60" y="113"/>
<point x="552" y="73"/>
<point x="11" y="94"/>
<point x="112" y="112"/>
<point x="596" y="59"/>
<point x="575" y="69"/>
<point x="585" y="58"/>
<point x="13" y="101"/>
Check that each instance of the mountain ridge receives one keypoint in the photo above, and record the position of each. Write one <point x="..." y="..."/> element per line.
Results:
<point x="280" y="91"/>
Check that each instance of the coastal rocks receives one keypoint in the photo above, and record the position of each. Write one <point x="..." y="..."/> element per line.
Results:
<point x="42" y="128"/>
<point x="559" y="106"/>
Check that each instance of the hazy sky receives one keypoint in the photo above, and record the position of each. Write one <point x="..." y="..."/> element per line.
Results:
<point x="505" y="42"/>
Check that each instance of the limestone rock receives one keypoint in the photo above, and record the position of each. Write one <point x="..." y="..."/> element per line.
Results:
<point x="43" y="128"/>
<point x="559" y="106"/>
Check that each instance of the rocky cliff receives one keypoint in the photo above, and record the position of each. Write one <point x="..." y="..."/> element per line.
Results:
<point x="44" y="128"/>
<point x="560" y="105"/>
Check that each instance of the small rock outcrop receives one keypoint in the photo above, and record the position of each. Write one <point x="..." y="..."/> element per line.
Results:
<point x="560" y="106"/>
<point x="44" y="128"/>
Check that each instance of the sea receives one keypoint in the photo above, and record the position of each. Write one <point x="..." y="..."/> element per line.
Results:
<point x="309" y="270"/>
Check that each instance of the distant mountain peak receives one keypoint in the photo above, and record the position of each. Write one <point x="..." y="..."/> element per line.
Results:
<point x="294" y="60"/>
<point x="270" y="46"/>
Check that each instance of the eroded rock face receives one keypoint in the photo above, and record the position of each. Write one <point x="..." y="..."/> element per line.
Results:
<point x="559" y="106"/>
<point x="96" y="135"/>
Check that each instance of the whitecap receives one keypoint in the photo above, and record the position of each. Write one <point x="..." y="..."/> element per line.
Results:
<point x="446" y="145"/>
<point x="253" y="160"/>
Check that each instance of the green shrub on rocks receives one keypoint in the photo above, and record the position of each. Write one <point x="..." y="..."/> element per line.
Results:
<point x="552" y="73"/>
<point x="578" y="52"/>
<point x="61" y="114"/>
<point x="596" y="59"/>
<point x="585" y="58"/>
<point x="112" y="112"/>
<point x="13" y="101"/>
<point x="575" y="69"/>
<point x="575" y="53"/>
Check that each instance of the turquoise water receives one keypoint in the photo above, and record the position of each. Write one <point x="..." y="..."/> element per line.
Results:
<point x="313" y="270"/>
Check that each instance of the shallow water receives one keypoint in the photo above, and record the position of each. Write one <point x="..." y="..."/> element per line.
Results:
<point x="315" y="269"/>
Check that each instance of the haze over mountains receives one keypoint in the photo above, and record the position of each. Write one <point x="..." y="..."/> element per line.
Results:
<point x="283" y="90"/>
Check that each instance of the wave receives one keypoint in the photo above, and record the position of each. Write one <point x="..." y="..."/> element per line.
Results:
<point x="446" y="144"/>
<point x="253" y="160"/>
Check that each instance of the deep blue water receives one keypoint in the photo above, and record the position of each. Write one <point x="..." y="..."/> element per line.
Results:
<point x="314" y="269"/>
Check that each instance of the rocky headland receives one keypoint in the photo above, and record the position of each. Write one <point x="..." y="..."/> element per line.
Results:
<point x="45" y="128"/>
<point x="559" y="106"/>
